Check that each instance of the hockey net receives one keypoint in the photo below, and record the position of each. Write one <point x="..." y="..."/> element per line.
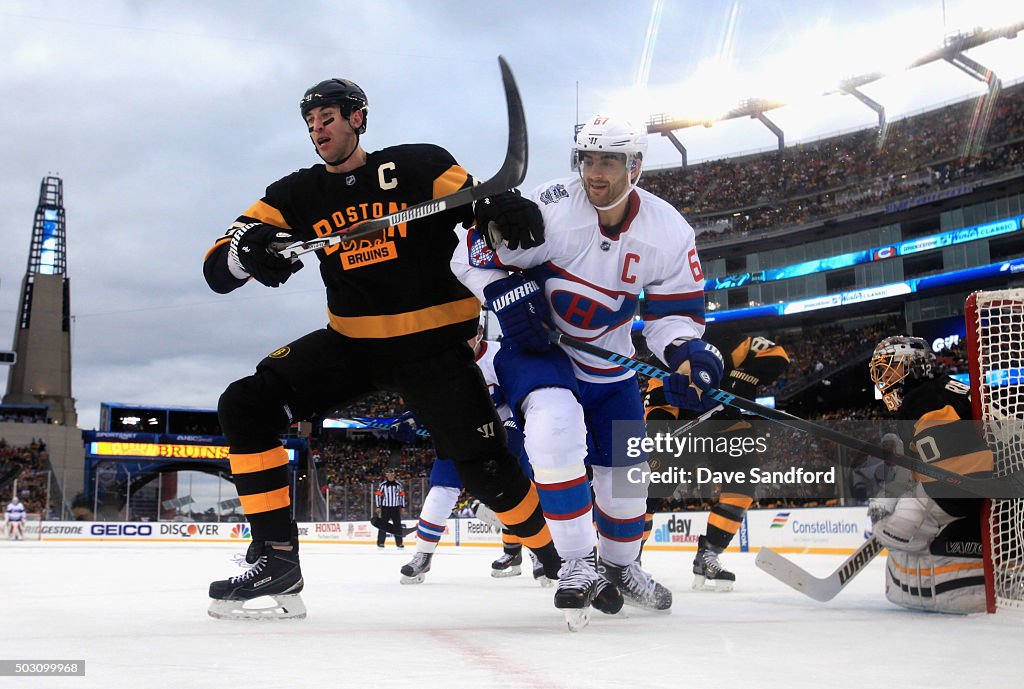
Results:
<point x="32" y="529"/>
<point x="995" y="336"/>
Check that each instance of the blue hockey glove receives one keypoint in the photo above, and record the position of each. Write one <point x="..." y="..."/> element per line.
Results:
<point x="522" y="310"/>
<point x="514" y="437"/>
<point x="403" y="429"/>
<point x="706" y="370"/>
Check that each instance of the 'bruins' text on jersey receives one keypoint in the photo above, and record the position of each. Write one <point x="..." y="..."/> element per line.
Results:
<point x="392" y="290"/>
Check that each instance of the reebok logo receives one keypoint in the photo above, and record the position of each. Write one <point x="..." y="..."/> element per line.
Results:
<point x="521" y="292"/>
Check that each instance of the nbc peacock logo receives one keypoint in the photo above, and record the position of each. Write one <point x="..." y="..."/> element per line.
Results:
<point x="240" y="531"/>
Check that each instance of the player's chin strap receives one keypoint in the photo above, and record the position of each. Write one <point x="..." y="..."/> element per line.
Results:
<point x="625" y="194"/>
<point x="341" y="161"/>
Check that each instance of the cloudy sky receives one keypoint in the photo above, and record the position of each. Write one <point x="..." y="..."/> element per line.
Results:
<point x="166" y="120"/>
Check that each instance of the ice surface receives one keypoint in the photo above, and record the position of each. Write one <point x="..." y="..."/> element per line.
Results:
<point x="137" y="615"/>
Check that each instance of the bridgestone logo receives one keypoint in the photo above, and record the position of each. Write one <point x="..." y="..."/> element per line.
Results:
<point x="515" y="295"/>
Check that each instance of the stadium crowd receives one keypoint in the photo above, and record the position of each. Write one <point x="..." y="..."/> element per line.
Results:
<point x="29" y="465"/>
<point x="864" y="169"/>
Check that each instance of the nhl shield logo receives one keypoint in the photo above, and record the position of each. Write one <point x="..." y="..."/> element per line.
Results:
<point x="605" y="245"/>
<point x="350" y="180"/>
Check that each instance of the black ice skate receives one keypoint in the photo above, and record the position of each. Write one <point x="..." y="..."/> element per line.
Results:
<point x="546" y="563"/>
<point x="273" y="571"/>
<point x="540" y="575"/>
<point x="637" y="587"/>
<point x="577" y="586"/>
<point x="608" y="599"/>
<point x="708" y="573"/>
<point x="415" y="570"/>
<point x="508" y="565"/>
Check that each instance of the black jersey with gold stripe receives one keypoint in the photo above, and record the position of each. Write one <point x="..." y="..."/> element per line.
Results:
<point x="932" y="426"/>
<point x="393" y="290"/>
<point x="750" y="361"/>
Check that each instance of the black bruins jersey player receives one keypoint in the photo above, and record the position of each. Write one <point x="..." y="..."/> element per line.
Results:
<point x="750" y="362"/>
<point x="934" y="541"/>
<point x="398" y="320"/>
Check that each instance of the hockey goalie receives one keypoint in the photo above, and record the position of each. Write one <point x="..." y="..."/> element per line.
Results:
<point x="14" y="520"/>
<point x="935" y="543"/>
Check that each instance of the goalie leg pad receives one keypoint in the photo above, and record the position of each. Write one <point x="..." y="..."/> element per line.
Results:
<point x="933" y="583"/>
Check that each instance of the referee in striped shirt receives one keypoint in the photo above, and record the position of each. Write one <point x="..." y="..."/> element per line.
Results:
<point x="390" y="500"/>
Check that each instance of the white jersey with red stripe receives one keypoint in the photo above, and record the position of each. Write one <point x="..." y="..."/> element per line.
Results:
<point x="593" y="280"/>
<point x="15" y="512"/>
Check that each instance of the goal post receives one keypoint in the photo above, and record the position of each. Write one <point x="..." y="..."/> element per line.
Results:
<point x="995" y="339"/>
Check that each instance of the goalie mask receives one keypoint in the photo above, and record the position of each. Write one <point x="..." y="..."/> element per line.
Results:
<point x="611" y="135"/>
<point x="341" y="92"/>
<point x="898" y="362"/>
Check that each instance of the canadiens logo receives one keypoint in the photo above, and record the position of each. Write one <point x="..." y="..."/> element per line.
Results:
<point x="586" y="312"/>
<point x="280" y="353"/>
<point x="480" y="254"/>
<point x="553" y="194"/>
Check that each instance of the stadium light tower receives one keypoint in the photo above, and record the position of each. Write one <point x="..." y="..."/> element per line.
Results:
<point x="41" y="373"/>
<point x="952" y="51"/>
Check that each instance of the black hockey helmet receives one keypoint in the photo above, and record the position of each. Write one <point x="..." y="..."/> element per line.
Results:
<point x="340" y="92"/>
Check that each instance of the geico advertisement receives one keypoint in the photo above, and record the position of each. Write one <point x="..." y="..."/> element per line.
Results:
<point x="57" y="531"/>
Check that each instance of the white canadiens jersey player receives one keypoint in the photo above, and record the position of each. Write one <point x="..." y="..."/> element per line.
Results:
<point x="593" y="281"/>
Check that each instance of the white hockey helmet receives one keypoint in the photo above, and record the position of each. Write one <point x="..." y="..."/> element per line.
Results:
<point x="897" y="361"/>
<point x="602" y="134"/>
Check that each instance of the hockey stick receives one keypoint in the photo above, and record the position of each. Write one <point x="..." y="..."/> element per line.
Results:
<point x="693" y="423"/>
<point x="1009" y="486"/>
<point x="373" y="423"/>
<point x="511" y="174"/>
<point x="820" y="589"/>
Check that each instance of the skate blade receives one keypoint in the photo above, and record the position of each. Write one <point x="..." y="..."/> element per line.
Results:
<point x="712" y="586"/>
<point x="513" y="571"/>
<point x="288" y="607"/>
<point x="576" y="618"/>
<point x="417" y="579"/>
<point x="649" y="608"/>
<point x="545" y="583"/>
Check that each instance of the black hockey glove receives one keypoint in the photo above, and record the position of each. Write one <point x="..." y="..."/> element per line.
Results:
<point x="508" y="217"/>
<point x="254" y="250"/>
